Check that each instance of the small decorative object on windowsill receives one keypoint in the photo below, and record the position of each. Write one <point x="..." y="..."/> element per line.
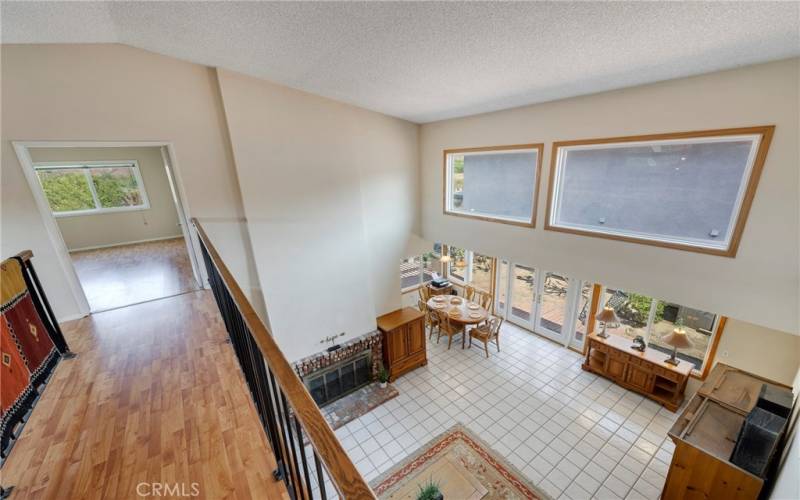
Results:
<point x="383" y="377"/>
<point x="677" y="339"/>
<point x="639" y="344"/>
<point x="430" y="491"/>
<point x="607" y="317"/>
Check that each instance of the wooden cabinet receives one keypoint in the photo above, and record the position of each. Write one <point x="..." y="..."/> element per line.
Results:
<point x="705" y="435"/>
<point x="643" y="372"/>
<point x="404" y="346"/>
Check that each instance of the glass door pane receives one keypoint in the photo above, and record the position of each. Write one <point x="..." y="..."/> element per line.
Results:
<point x="552" y="306"/>
<point x="502" y="288"/>
<point x="523" y="294"/>
<point x="582" y="319"/>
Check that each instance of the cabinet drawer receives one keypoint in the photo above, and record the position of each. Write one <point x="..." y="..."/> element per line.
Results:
<point x="599" y="347"/>
<point x="622" y="356"/>
<point x="667" y="374"/>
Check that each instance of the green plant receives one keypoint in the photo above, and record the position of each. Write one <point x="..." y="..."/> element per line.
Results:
<point x="383" y="375"/>
<point x="429" y="490"/>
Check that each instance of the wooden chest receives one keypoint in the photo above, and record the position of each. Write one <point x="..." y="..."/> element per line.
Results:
<point x="404" y="341"/>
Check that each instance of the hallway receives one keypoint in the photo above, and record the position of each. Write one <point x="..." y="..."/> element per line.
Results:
<point x="154" y="397"/>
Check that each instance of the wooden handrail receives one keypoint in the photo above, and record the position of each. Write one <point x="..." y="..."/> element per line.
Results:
<point x="343" y="473"/>
<point x="25" y="255"/>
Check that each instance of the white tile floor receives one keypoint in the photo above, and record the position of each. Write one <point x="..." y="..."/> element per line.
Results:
<point x="573" y="434"/>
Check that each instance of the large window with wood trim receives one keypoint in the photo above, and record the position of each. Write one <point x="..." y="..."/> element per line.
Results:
<point x="689" y="190"/>
<point x="652" y="319"/>
<point x="91" y="188"/>
<point x="471" y="268"/>
<point x="495" y="183"/>
<point x="418" y="269"/>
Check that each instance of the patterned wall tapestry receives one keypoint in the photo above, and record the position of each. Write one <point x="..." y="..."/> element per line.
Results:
<point x="27" y="350"/>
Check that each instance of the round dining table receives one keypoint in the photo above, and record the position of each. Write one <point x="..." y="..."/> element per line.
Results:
<point x="459" y="310"/>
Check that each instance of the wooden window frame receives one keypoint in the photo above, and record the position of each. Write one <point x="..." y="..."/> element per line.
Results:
<point x="766" y="132"/>
<point x="539" y="147"/>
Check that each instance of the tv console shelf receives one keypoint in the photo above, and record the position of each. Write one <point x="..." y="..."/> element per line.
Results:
<point x="642" y="372"/>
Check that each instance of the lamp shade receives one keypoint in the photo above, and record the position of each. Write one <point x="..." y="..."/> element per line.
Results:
<point x="608" y="316"/>
<point x="445" y="258"/>
<point x="677" y="339"/>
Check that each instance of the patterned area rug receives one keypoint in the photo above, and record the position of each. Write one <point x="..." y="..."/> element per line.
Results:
<point x="464" y="467"/>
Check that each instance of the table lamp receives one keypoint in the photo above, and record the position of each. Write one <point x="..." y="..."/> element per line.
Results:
<point x="677" y="339"/>
<point x="607" y="316"/>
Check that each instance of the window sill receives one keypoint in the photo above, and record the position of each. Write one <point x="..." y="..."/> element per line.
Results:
<point x="100" y="211"/>
<point x="488" y="218"/>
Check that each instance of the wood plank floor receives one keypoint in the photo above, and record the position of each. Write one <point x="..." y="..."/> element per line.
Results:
<point x="129" y="274"/>
<point x="154" y="396"/>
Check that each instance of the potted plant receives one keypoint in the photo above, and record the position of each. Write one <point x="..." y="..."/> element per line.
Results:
<point x="430" y="491"/>
<point x="383" y="377"/>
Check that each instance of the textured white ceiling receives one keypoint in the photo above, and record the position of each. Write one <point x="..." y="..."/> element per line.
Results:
<point x="429" y="61"/>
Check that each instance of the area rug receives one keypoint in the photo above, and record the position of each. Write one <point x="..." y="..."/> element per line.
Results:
<point x="464" y="467"/>
<point x="360" y="402"/>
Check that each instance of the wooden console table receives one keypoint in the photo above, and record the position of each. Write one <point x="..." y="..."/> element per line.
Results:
<point x="403" y="341"/>
<point x="705" y="435"/>
<point x="642" y="372"/>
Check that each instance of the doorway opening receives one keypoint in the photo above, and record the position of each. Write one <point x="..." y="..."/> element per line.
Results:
<point x="115" y="213"/>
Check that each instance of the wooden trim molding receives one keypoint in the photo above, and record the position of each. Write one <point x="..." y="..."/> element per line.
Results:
<point x="597" y="289"/>
<point x="539" y="147"/>
<point x="765" y="132"/>
<point x="711" y="353"/>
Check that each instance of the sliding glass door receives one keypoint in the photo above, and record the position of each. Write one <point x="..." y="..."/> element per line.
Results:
<point x="553" y="301"/>
<point x="546" y="302"/>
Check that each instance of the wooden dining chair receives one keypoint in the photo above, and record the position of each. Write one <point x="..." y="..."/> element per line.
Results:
<point x="487" y="332"/>
<point x="469" y="292"/>
<point x="424" y="293"/>
<point x="484" y="299"/>
<point x="449" y="328"/>
<point x="431" y="318"/>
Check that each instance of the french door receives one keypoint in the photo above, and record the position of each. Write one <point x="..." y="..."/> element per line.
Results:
<point x="545" y="302"/>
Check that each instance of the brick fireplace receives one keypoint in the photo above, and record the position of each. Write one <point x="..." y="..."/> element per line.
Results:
<point x="331" y="375"/>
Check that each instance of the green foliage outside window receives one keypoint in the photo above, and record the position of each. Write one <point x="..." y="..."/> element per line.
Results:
<point x="639" y="305"/>
<point x="66" y="191"/>
<point x="116" y="187"/>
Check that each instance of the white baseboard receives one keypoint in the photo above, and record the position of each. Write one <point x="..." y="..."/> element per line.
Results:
<point x="98" y="247"/>
<point x="71" y="317"/>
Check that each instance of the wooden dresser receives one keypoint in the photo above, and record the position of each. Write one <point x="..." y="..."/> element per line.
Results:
<point x="705" y="435"/>
<point x="642" y="372"/>
<point x="403" y="341"/>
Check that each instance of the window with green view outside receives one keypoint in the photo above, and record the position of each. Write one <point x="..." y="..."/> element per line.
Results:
<point x="85" y="189"/>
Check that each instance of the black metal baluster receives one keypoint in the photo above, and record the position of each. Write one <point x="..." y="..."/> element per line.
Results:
<point x="283" y="425"/>
<point x="303" y="453"/>
<point x="320" y="479"/>
<point x="288" y="419"/>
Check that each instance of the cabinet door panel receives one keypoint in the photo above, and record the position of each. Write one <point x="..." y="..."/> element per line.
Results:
<point x="398" y="348"/>
<point x="416" y="337"/>
<point x="615" y="368"/>
<point x="639" y="378"/>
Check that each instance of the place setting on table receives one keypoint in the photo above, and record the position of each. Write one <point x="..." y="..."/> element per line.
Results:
<point x="458" y="309"/>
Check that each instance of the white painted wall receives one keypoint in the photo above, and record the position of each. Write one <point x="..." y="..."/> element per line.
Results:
<point x="330" y="196"/>
<point x="115" y="93"/>
<point x="759" y="286"/>
<point x="115" y="228"/>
